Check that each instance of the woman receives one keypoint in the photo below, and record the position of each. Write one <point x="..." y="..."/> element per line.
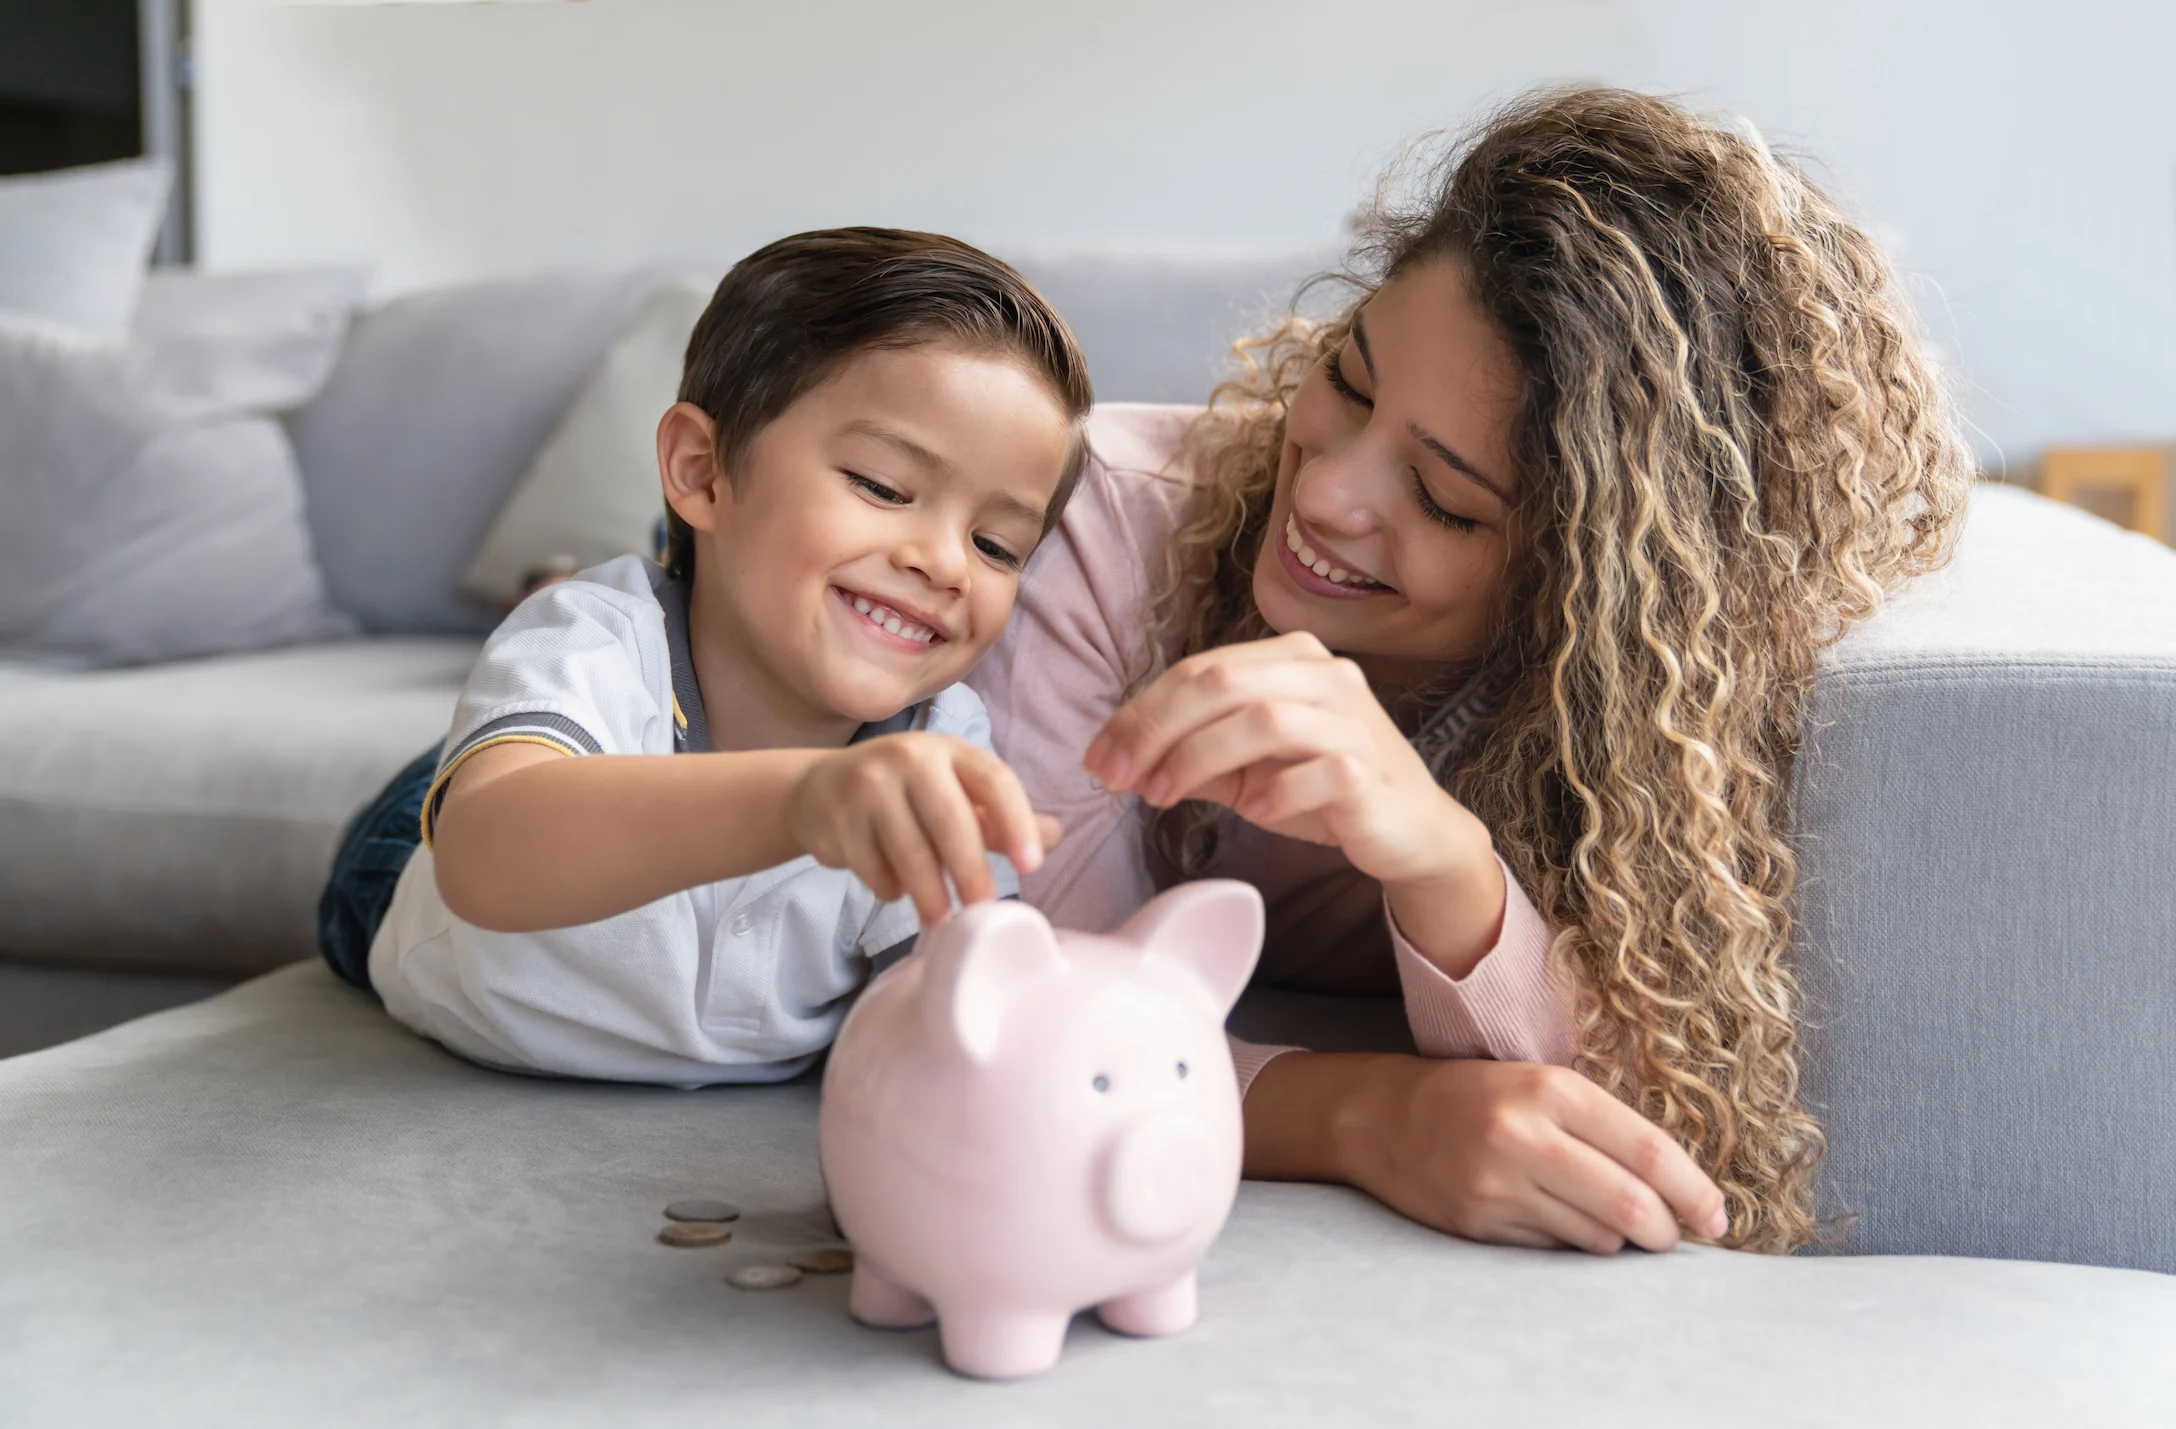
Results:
<point x="1490" y="613"/>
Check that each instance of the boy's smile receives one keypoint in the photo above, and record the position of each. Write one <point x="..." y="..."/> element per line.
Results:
<point x="867" y="549"/>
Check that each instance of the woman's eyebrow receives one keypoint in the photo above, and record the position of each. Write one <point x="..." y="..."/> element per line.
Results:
<point x="1458" y="463"/>
<point x="1360" y="340"/>
<point x="1450" y="458"/>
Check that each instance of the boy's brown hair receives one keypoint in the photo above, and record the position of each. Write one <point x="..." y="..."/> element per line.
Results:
<point x="789" y="314"/>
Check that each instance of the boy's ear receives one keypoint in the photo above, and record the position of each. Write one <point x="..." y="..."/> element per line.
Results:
<point x="687" y="464"/>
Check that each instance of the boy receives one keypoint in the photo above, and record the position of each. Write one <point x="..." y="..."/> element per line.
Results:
<point x="682" y="812"/>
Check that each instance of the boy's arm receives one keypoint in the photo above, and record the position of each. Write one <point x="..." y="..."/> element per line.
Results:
<point x="529" y="837"/>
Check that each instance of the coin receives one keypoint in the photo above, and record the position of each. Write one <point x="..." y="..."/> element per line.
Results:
<point x="702" y="1211"/>
<point x="694" y="1233"/>
<point x="829" y="1261"/>
<point x="763" y="1277"/>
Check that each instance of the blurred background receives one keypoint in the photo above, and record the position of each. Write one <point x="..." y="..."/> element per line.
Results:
<point x="425" y="271"/>
<point x="2017" y="157"/>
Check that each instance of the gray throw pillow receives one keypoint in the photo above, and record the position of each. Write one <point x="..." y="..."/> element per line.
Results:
<point x="439" y="403"/>
<point x="150" y="505"/>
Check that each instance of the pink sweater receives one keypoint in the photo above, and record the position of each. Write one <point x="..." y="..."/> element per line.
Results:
<point x="1076" y="644"/>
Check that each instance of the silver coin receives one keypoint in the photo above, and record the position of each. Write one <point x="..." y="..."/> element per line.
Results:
<point x="702" y="1211"/>
<point x="763" y="1277"/>
<point x="695" y="1233"/>
<point x="829" y="1261"/>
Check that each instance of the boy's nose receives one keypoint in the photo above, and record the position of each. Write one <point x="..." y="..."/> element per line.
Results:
<point x="937" y="558"/>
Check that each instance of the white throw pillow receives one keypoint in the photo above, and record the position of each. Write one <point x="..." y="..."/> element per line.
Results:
<point x="150" y="506"/>
<point x="73" y="243"/>
<point x="592" y="491"/>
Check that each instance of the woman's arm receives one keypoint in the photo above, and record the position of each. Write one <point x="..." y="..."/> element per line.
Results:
<point x="1293" y="739"/>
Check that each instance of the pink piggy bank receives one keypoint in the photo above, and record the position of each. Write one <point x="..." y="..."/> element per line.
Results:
<point x="1020" y="1123"/>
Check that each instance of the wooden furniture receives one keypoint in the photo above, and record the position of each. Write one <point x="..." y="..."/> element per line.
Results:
<point x="2125" y="485"/>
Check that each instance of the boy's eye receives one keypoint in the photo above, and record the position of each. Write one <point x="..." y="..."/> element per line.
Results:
<point x="997" y="553"/>
<point x="877" y="489"/>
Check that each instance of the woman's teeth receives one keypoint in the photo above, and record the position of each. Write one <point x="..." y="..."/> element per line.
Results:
<point x="1321" y="567"/>
<point x="889" y="620"/>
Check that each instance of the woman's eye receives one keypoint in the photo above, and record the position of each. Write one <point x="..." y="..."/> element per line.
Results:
<point x="1436" y="513"/>
<point x="877" y="489"/>
<point x="997" y="553"/>
<point x="1334" y="369"/>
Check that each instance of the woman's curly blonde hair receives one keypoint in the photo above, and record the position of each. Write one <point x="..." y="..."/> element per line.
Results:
<point x="1730" y="444"/>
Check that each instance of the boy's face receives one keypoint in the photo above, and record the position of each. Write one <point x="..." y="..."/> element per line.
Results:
<point x="868" y="549"/>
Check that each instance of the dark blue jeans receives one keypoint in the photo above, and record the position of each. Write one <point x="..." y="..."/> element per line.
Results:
<point x="372" y="853"/>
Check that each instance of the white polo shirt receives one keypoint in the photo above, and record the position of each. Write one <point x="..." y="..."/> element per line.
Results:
<point x="745" y="980"/>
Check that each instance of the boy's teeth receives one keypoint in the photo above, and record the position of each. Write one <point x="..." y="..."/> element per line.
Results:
<point x="889" y="620"/>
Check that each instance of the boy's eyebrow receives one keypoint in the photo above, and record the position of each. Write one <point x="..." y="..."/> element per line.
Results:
<point x="915" y="452"/>
<point x="893" y="437"/>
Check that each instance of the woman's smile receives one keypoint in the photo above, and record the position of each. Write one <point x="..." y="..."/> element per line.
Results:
<point x="1317" y="573"/>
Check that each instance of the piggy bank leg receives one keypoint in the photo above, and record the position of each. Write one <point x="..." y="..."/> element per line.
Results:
<point x="1001" y="1344"/>
<point x="874" y="1300"/>
<point x="1162" y="1311"/>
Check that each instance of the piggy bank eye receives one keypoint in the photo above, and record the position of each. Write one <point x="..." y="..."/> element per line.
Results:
<point x="1182" y="1071"/>
<point x="1102" y="1083"/>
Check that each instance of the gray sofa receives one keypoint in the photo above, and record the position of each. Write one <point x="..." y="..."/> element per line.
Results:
<point x="277" y="1205"/>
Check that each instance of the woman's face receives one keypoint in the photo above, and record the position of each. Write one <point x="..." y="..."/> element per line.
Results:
<point x="1391" y="529"/>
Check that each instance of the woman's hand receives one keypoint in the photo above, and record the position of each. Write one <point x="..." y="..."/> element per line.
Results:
<point x="906" y="812"/>
<point x="1292" y="738"/>
<point x="1509" y="1152"/>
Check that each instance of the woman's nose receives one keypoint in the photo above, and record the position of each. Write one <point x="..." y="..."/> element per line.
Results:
<point x="1340" y="492"/>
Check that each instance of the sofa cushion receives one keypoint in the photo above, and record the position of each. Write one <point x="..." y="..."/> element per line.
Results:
<point x="279" y="1208"/>
<point x="182" y="817"/>
<point x="438" y="404"/>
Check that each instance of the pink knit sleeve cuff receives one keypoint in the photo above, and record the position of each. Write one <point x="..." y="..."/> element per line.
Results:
<point x="1509" y="1008"/>
<point x="1248" y="1059"/>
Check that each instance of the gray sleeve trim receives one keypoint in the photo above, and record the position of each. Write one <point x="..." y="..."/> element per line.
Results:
<point x="542" y="723"/>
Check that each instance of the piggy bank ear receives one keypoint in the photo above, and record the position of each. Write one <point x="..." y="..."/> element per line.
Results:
<point x="1214" y="927"/>
<point x="979" y="960"/>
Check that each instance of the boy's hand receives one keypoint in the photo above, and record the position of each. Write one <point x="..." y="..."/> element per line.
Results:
<point x="905" y="811"/>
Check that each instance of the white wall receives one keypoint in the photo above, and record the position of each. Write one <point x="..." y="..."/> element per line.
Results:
<point x="2018" y="155"/>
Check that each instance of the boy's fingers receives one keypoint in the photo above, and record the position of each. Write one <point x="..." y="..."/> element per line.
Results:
<point x="948" y="822"/>
<point x="1006" y="816"/>
<point x="1052" y="831"/>
<point x="899" y="834"/>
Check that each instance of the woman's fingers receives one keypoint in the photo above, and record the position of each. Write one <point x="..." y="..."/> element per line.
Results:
<point x="1304" y="788"/>
<point x="1561" y="1222"/>
<point x="1609" y="1198"/>
<point x="1206" y="687"/>
<point x="1238" y="742"/>
<point x="1643" y="1150"/>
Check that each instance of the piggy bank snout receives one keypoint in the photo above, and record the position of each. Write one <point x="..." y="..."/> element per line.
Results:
<point x="1161" y="1178"/>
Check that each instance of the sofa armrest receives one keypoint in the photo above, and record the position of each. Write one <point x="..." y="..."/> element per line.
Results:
<point x="1986" y="815"/>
